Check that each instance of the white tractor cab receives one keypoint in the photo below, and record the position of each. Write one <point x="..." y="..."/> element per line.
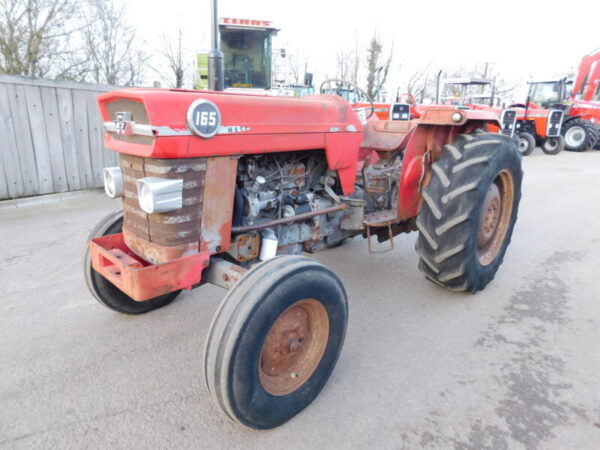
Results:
<point x="549" y="94"/>
<point x="251" y="65"/>
<point x="467" y="91"/>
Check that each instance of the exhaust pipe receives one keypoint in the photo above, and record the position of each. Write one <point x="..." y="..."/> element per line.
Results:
<point x="216" y="72"/>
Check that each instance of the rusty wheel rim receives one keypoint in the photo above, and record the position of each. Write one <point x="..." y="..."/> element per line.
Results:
<point x="293" y="347"/>
<point x="495" y="217"/>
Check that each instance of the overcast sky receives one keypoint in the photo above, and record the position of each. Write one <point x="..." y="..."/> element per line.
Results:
<point x="524" y="39"/>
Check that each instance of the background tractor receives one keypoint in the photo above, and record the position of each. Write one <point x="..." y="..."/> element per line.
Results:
<point x="461" y="93"/>
<point x="578" y="99"/>
<point x="538" y="125"/>
<point x="250" y="63"/>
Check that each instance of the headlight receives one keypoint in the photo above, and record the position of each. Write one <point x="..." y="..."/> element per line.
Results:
<point x="457" y="117"/>
<point x="113" y="182"/>
<point x="159" y="195"/>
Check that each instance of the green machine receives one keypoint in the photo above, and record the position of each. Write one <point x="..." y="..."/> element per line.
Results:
<point x="247" y="49"/>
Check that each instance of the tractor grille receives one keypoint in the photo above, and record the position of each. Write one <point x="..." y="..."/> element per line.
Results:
<point x="175" y="227"/>
<point x="508" y="121"/>
<point x="555" y="118"/>
<point x="400" y="111"/>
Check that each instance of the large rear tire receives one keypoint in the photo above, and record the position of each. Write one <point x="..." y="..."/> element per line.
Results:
<point x="469" y="210"/>
<point x="275" y="340"/>
<point x="580" y="135"/>
<point x="106" y="293"/>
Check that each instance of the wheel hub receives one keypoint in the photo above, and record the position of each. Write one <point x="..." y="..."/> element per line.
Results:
<point x="523" y="145"/>
<point x="491" y="215"/>
<point x="293" y="347"/>
<point x="495" y="217"/>
<point x="575" y="136"/>
<point x="551" y="143"/>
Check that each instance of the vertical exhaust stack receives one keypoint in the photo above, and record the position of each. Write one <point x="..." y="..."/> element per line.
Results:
<point x="216" y="72"/>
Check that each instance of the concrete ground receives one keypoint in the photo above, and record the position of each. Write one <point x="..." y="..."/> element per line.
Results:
<point x="515" y="366"/>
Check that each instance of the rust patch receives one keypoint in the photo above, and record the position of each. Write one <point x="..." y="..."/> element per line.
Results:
<point x="217" y="209"/>
<point x="174" y="228"/>
<point x="156" y="253"/>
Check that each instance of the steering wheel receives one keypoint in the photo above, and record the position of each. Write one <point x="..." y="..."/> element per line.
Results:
<point x="409" y="97"/>
<point x="337" y="86"/>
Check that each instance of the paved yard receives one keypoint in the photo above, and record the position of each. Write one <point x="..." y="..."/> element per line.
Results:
<point x="515" y="366"/>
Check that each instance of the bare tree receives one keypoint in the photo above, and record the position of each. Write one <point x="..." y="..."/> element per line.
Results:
<point x="173" y="53"/>
<point x="36" y="38"/>
<point x="113" y="57"/>
<point x="294" y="65"/>
<point x="348" y="62"/>
<point x="378" y="66"/>
<point x="419" y="83"/>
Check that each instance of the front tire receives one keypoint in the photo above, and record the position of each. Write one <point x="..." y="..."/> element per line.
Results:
<point x="106" y="293"/>
<point x="526" y="143"/>
<point x="553" y="145"/>
<point x="275" y="340"/>
<point x="469" y="210"/>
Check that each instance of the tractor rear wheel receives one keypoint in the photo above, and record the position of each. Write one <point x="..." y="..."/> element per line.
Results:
<point x="553" y="145"/>
<point x="526" y="143"/>
<point x="103" y="290"/>
<point x="469" y="210"/>
<point x="580" y="135"/>
<point x="274" y="341"/>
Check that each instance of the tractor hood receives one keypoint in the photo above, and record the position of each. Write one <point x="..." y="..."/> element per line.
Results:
<point x="164" y="123"/>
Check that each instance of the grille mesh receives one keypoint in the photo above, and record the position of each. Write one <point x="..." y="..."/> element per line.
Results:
<point x="174" y="228"/>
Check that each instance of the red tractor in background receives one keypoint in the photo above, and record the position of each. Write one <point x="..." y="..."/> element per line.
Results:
<point x="538" y="126"/>
<point x="229" y="189"/>
<point x="463" y="98"/>
<point x="578" y="100"/>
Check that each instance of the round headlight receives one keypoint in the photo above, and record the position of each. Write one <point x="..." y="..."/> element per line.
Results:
<point x="457" y="117"/>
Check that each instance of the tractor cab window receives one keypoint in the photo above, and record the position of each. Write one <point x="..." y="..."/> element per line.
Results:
<point x="545" y="94"/>
<point x="247" y="58"/>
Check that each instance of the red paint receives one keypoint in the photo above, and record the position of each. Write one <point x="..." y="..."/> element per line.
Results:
<point x="138" y="278"/>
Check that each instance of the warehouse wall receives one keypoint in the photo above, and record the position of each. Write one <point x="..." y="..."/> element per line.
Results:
<point x="51" y="137"/>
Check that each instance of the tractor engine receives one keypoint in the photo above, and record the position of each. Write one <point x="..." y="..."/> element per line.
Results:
<point x="275" y="191"/>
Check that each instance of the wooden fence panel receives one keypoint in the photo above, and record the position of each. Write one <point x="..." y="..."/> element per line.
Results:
<point x="64" y="98"/>
<point x="8" y="150"/>
<point x="82" y="140"/>
<point x="18" y="107"/>
<point x="41" y="150"/>
<point x="95" y="133"/>
<point x="53" y="137"/>
<point x="3" y="180"/>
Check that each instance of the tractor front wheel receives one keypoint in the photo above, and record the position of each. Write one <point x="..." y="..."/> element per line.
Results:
<point x="275" y="340"/>
<point x="526" y="143"/>
<point x="469" y="210"/>
<point x="553" y="145"/>
<point x="103" y="290"/>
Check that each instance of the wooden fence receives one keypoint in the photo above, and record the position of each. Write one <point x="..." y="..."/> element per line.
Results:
<point x="51" y="137"/>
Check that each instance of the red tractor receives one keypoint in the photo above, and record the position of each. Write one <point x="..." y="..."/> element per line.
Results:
<point x="579" y="100"/>
<point x="229" y="189"/>
<point x="538" y="126"/>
